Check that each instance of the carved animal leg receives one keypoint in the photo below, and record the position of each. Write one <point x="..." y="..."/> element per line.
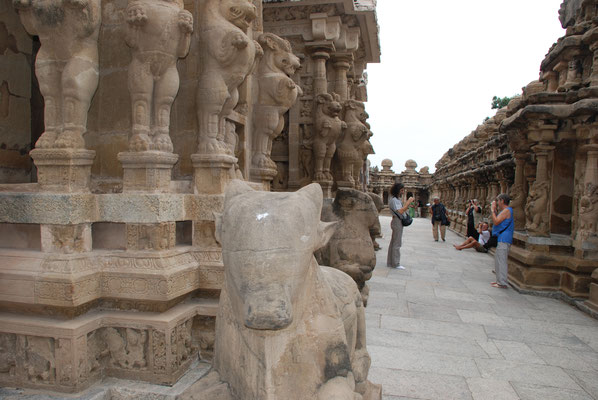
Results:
<point x="329" y="153"/>
<point x="165" y="91"/>
<point x="210" y="100"/>
<point x="228" y="107"/>
<point x="49" y="73"/>
<point x="319" y="154"/>
<point x="141" y="86"/>
<point x="79" y="83"/>
<point x="267" y="120"/>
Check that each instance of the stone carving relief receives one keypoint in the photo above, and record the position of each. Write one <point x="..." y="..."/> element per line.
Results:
<point x="328" y="127"/>
<point x="351" y="249"/>
<point x="350" y="141"/>
<point x="38" y="358"/>
<point x="228" y="56"/>
<point x="277" y="93"/>
<point x="588" y="212"/>
<point x="298" y="331"/>
<point x="160" y="236"/>
<point x="182" y="346"/>
<point x="518" y="198"/>
<point x="375" y="230"/>
<point x="66" y="65"/>
<point x="306" y="152"/>
<point x="159" y="33"/>
<point x="536" y="209"/>
<point x="126" y="347"/>
<point x="8" y="348"/>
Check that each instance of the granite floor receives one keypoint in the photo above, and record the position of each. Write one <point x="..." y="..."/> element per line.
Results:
<point x="438" y="330"/>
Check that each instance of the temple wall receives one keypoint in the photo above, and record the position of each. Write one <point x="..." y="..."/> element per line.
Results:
<point x="542" y="151"/>
<point x="16" y="48"/>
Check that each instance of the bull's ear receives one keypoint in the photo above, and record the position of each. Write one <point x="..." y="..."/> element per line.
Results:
<point x="313" y="193"/>
<point x="325" y="232"/>
<point x="218" y="226"/>
<point x="237" y="187"/>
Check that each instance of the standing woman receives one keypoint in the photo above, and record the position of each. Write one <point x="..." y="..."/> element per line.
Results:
<point x="397" y="209"/>
<point x="474" y="215"/>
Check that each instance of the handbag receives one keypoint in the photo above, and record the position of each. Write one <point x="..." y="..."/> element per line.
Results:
<point x="406" y="220"/>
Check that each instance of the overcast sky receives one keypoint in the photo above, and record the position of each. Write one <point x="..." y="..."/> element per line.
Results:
<point x="442" y="61"/>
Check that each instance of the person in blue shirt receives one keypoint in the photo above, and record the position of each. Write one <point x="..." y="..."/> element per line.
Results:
<point x="503" y="227"/>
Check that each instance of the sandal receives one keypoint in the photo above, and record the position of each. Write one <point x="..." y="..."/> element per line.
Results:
<point x="498" y="285"/>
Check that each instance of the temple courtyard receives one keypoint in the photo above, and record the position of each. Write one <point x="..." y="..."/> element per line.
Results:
<point x="438" y="330"/>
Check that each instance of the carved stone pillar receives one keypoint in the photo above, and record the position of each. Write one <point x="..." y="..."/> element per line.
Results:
<point x="320" y="54"/>
<point x="552" y="79"/>
<point x="561" y="69"/>
<point x="537" y="207"/>
<point x="518" y="193"/>
<point x="588" y="205"/>
<point x="342" y="64"/>
<point x="594" y="75"/>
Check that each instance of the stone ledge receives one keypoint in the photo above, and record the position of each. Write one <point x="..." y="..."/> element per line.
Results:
<point x="72" y="280"/>
<point x="64" y="208"/>
<point x="71" y="355"/>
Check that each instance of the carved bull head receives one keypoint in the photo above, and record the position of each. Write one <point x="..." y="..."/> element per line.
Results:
<point x="268" y="240"/>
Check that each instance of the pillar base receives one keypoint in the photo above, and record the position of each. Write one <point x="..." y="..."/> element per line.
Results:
<point x="212" y="172"/>
<point x="147" y="171"/>
<point x="326" y="188"/>
<point x="263" y="175"/>
<point x="63" y="170"/>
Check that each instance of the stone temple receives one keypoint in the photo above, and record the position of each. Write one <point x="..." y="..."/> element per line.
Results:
<point x="122" y="125"/>
<point x="542" y="150"/>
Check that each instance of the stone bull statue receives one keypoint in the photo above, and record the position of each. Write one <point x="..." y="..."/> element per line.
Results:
<point x="351" y="249"/>
<point x="287" y="328"/>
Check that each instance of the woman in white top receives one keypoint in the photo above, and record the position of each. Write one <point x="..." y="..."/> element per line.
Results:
<point x="484" y="236"/>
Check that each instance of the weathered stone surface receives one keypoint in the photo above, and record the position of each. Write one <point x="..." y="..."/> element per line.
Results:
<point x="297" y="330"/>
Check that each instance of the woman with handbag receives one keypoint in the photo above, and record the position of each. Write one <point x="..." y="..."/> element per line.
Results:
<point x="397" y="209"/>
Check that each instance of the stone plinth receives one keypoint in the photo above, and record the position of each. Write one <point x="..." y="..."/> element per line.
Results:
<point x="147" y="171"/>
<point x="326" y="188"/>
<point x="212" y="172"/>
<point x="263" y="175"/>
<point x="63" y="170"/>
<point x="70" y="355"/>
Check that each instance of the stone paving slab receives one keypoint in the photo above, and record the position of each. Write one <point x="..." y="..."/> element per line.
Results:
<point x="438" y="330"/>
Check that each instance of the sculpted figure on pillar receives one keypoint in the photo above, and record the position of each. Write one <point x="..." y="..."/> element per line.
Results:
<point x="328" y="127"/>
<point x="351" y="249"/>
<point x="518" y="199"/>
<point x="588" y="211"/>
<point x="228" y="57"/>
<point x="351" y="139"/>
<point x="159" y="33"/>
<point x="298" y="331"/>
<point x="277" y="93"/>
<point x="66" y="65"/>
<point x="536" y="209"/>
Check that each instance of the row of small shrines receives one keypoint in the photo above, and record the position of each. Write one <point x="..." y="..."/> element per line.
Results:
<point x="542" y="150"/>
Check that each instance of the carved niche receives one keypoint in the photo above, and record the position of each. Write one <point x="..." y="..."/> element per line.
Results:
<point x="277" y="93"/>
<point x="328" y="127"/>
<point x="66" y="65"/>
<point x="228" y="56"/>
<point x="536" y="209"/>
<point x="159" y="33"/>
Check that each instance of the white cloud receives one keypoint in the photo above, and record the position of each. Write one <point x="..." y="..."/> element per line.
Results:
<point x="442" y="61"/>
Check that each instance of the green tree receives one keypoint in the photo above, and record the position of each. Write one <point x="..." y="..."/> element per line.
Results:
<point x="500" y="102"/>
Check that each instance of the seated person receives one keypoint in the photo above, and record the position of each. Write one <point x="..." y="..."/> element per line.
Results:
<point x="484" y="232"/>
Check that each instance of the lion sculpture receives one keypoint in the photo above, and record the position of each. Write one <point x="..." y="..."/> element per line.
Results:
<point x="159" y="32"/>
<point x="66" y="65"/>
<point x="277" y="93"/>
<point x="228" y="57"/>
<point x="328" y="127"/>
